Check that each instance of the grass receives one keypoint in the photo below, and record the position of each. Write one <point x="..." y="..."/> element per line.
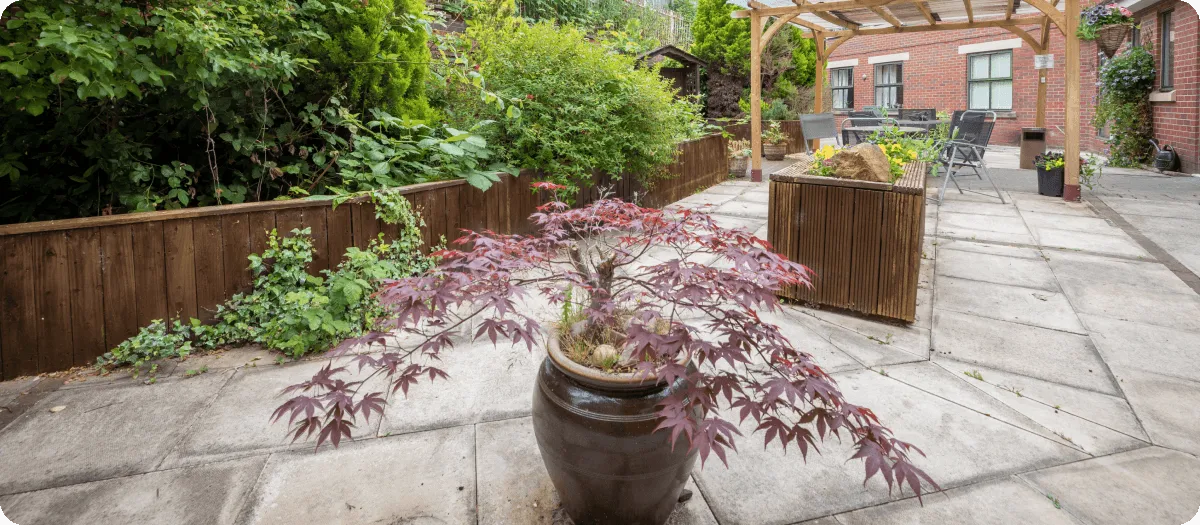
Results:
<point x="974" y="374"/>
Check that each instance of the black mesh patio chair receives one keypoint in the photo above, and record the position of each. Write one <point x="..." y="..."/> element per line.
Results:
<point x="920" y="115"/>
<point x="817" y="126"/>
<point x="970" y="134"/>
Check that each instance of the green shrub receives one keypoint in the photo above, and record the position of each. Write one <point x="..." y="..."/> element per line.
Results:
<point x="719" y="39"/>
<point x="377" y="50"/>
<point x="1125" y="84"/>
<point x="586" y="109"/>
<point x="153" y="342"/>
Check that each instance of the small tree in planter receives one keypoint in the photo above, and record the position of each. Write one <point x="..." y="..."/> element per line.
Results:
<point x="656" y="350"/>
<point x="739" y="157"/>
<point x="774" y="142"/>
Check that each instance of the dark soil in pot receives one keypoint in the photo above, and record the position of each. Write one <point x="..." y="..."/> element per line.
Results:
<point x="595" y="431"/>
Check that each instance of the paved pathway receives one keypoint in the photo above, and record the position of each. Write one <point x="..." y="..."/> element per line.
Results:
<point x="1082" y="407"/>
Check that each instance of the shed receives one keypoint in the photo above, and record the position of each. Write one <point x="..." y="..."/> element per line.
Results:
<point x="687" y="78"/>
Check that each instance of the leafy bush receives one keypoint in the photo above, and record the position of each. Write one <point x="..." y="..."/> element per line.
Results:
<point x="111" y="106"/>
<point x="155" y="341"/>
<point x="288" y="309"/>
<point x="378" y="50"/>
<point x="586" y="110"/>
<point x="1125" y="84"/>
<point x="721" y="40"/>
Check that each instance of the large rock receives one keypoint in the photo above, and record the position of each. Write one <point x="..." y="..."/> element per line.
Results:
<point x="862" y="162"/>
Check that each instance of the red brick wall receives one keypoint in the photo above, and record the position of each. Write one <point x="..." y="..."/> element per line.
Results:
<point x="935" y="77"/>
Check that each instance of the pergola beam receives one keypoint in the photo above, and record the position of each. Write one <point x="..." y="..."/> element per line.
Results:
<point x="970" y="12"/>
<point x="829" y="17"/>
<point x="1008" y="12"/>
<point x="940" y="26"/>
<point x="841" y="5"/>
<point x="1033" y="43"/>
<point x="924" y="8"/>
<point x="887" y="16"/>
<point x="832" y="46"/>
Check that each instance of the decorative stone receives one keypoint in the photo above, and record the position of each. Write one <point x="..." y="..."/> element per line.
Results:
<point x="605" y="354"/>
<point x="862" y="162"/>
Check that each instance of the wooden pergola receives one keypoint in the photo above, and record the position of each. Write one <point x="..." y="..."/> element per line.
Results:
<point x="833" y="22"/>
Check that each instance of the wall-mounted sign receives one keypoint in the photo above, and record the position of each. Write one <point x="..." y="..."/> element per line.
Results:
<point x="1043" y="61"/>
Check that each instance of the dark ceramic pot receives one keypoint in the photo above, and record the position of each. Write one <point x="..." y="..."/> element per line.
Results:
<point x="597" y="439"/>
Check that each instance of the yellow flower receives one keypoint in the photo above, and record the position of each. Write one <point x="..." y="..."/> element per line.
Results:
<point x="912" y="155"/>
<point x="827" y="151"/>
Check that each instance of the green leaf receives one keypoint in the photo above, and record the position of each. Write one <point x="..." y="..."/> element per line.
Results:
<point x="451" y="149"/>
<point x="15" y="68"/>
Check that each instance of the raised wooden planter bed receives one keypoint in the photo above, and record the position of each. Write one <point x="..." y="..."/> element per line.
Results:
<point x="862" y="240"/>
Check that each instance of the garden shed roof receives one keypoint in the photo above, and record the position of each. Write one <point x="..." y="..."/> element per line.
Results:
<point x="670" y="51"/>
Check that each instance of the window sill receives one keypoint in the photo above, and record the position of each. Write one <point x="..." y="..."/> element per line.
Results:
<point x="1011" y="115"/>
<point x="1162" y="96"/>
<point x="842" y="111"/>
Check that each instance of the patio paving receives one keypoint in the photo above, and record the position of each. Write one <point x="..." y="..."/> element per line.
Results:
<point x="1082" y="405"/>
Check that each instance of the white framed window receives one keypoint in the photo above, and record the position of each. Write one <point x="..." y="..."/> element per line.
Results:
<point x="841" y="81"/>
<point x="989" y="81"/>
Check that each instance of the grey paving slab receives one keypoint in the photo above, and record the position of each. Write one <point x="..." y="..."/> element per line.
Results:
<point x="1075" y="223"/>
<point x="1037" y="203"/>
<point x="1179" y="237"/>
<point x="104" y="432"/>
<point x="947" y="383"/>
<point x="1152" y="208"/>
<point x="963" y="446"/>
<point x="980" y="222"/>
<point x="709" y="199"/>
<point x="1168" y="407"/>
<point x="1052" y="355"/>
<point x="11" y="390"/>
<point x="1150" y="486"/>
<point x="1087" y="435"/>
<point x="989" y="249"/>
<point x="805" y="339"/>
<point x="866" y="349"/>
<point x="1094" y="269"/>
<point x="201" y="495"/>
<point x="238" y="421"/>
<point x="1134" y="303"/>
<point x="427" y="477"/>
<point x="1007" y="303"/>
<point x="924" y="315"/>
<point x="486" y="383"/>
<point x="1112" y="244"/>
<point x="978" y="208"/>
<point x="971" y="234"/>
<point x="514" y="487"/>
<point x="1108" y="410"/>
<point x="908" y="338"/>
<point x="998" y="269"/>
<point x="739" y="207"/>
<point x="727" y="188"/>
<point x="1000" y="502"/>
<point x="1146" y="347"/>
<point x="749" y="224"/>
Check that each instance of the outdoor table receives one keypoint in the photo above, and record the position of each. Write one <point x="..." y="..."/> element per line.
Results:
<point x="863" y="131"/>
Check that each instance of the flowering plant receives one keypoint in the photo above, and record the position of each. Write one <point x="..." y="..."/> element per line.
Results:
<point x="898" y="154"/>
<point x="822" y="166"/>
<point x="1100" y="15"/>
<point x="664" y="290"/>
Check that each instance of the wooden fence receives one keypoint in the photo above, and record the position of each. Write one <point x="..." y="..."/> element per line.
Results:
<point x="72" y="289"/>
<point x="791" y="128"/>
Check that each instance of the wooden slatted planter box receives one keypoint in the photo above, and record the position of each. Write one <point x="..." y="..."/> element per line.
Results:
<point x="862" y="240"/>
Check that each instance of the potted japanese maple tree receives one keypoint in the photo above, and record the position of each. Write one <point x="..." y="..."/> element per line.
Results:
<point x="656" y="343"/>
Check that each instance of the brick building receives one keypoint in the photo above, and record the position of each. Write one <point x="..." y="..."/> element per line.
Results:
<point x="994" y="69"/>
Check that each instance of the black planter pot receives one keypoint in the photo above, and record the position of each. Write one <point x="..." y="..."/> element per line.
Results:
<point x="596" y="435"/>
<point x="1050" y="182"/>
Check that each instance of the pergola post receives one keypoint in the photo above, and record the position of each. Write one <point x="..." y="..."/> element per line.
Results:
<point x="1071" y="127"/>
<point x="756" y="29"/>
<point x="819" y="82"/>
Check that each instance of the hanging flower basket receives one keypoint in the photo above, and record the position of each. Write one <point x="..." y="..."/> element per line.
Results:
<point x="1109" y="38"/>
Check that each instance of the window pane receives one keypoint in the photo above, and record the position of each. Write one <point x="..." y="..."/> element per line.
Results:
<point x="1002" y="95"/>
<point x="979" y="95"/>
<point x="1001" y="65"/>
<point x="979" y="67"/>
